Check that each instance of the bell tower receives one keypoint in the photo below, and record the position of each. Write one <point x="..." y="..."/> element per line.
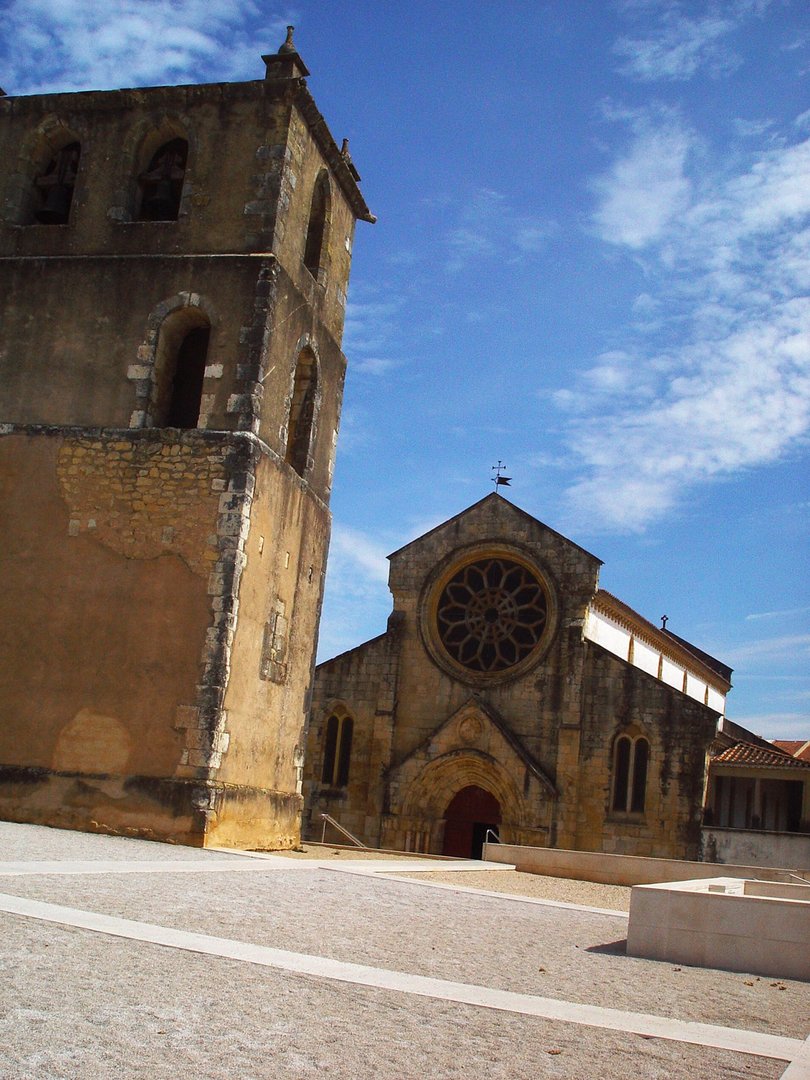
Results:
<point x="174" y="263"/>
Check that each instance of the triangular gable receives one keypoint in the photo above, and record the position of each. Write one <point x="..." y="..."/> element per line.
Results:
<point x="516" y="510"/>
<point x="474" y="726"/>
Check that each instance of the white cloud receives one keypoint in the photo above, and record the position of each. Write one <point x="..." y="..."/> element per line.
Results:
<point x="373" y="365"/>
<point x="776" y="725"/>
<point x="751" y="128"/>
<point x="488" y="226"/>
<point x="86" y="44"/>
<point x="777" y="614"/>
<point x="768" y="648"/>
<point x="355" y="552"/>
<point x="677" y="45"/>
<point x="729" y="386"/>
<point x="370" y="324"/>
<point x="359" y="602"/>
<point x="645" y="188"/>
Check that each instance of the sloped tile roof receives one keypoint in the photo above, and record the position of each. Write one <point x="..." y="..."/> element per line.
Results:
<point x="743" y="753"/>
<point x="798" y="748"/>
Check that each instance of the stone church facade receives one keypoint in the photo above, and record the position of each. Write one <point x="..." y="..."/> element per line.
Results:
<point x="510" y="693"/>
<point x="173" y="272"/>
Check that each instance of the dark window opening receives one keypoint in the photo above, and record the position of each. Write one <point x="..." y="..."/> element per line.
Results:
<point x="639" y="788"/>
<point x="162" y="183"/>
<point x="621" y="774"/>
<point x="630" y="760"/>
<point x="187" y="384"/>
<point x="316" y="230"/>
<point x="337" y="751"/>
<point x="302" y="413"/>
<point x="795" y="790"/>
<point x="330" y="750"/>
<point x="344" y="751"/>
<point x="55" y="186"/>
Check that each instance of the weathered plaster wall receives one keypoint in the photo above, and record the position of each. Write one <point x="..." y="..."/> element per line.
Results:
<point x="106" y="552"/>
<point x="84" y="352"/>
<point x="271" y="661"/>
<point x="294" y="325"/>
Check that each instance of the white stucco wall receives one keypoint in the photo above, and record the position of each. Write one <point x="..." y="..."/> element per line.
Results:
<point x="608" y="633"/>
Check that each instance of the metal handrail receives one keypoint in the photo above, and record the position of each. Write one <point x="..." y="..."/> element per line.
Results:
<point x="328" y="819"/>
<point x="491" y="832"/>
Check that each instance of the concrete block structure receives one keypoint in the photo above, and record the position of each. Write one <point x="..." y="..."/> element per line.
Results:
<point x="173" y="272"/>
<point x="761" y="927"/>
<point x="509" y="693"/>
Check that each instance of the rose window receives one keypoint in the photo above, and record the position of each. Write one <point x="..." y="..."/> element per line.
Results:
<point x="491" y="614"/>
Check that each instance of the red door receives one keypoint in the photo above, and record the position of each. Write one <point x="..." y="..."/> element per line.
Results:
<point x="470" y="813"/>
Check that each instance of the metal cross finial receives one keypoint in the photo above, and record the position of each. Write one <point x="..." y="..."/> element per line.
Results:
<point x="497" y="479"/>
<point x="664" y="621"/>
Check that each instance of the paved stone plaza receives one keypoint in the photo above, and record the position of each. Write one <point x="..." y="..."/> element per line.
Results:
<point x="123" y="958"/>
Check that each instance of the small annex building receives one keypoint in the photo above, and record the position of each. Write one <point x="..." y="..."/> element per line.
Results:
<point x="510" y="693"/>
<point x="757" y="800"/>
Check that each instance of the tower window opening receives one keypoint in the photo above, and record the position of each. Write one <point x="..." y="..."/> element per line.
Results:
<point x="162" y="182"/>
<point x="302" y="413"/>
<point x="315" y="247"/>
<point x="55" y="186"/>
<point x="630" y="760"/>
<point x="179" y="372"/>
<point x="187" y="384"/>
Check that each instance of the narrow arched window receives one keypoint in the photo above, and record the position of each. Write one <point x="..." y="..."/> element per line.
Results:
<point x="55" y="184"/>
<point x="180" y="369"/>
<point x="302" y="413"/>
<point x="337" y="751"/>
<point x="161" y="184"/>
<point x="638" y="791"/>
<point x="630" y="759"/>
<point x="187" y="383"/>
<point x="319" y="214"/>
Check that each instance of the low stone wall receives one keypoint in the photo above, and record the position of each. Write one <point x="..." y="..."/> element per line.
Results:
<point x="723" y="923"/>
<point x="761" y="848"/>
<point x="617" y="869"/>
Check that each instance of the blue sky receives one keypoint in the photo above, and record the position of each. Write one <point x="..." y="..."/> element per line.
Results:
<point x="592" y="262"/>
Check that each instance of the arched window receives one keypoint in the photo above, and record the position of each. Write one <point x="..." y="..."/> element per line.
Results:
<point x="337" y="749"/>
<point x="161" y="184"/>
<point x="302" y="412"/>
<point x="630" y="759"/>
<point x="55" y="184"/>
<point x="319" y="214"/>
<point x="180" y="369"/>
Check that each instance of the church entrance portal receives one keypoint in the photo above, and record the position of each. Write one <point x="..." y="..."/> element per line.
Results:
<point x="470" y="813"/>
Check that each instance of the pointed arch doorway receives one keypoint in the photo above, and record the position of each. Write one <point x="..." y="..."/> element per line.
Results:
<point x="469" y="814"/>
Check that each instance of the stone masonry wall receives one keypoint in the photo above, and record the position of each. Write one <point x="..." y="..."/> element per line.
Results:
<point x="125" y="551"/>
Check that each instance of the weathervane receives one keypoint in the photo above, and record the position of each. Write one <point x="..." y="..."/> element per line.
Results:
<point x="497" y="479"/>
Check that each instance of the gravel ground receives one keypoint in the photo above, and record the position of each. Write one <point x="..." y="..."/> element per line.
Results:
<point x="81" y="1006"/>
<point x="514" y="883"/>
<point x="398" y="924"/>
<point x="76" y="1004"/>
<point x="39" y="843"/>
<point x="349" y="854"/>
